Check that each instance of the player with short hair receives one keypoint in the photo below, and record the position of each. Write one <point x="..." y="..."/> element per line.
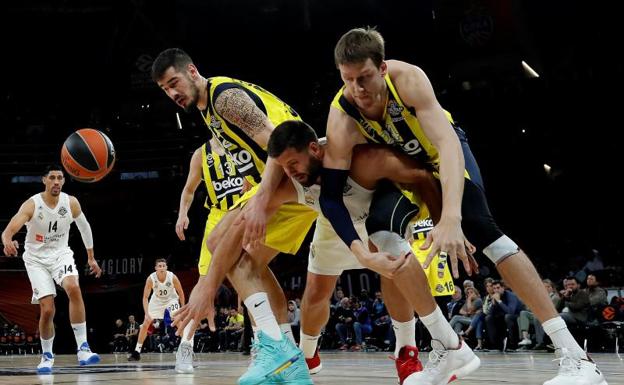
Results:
<point x="49" y="260"/>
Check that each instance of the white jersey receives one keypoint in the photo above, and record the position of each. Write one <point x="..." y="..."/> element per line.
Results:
<point x="47" y="232"/>
<point x="356" y="198"/>
<point x="163" y="291"/>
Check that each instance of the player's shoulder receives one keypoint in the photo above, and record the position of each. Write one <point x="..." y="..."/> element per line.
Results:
<point x="398" y="68"/>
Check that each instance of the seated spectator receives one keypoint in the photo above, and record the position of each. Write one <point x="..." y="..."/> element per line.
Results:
<point x="293" y="318"/>
<point x="476" y="324"/>
<point x="503" y="317"/>
<point x="336" y="298"/>
<point x="574" y="305"/>
<point x="361" y="325"/>
<point x="455" y="304"/>
<point x="232" y="332"/>
<point x="366" y="301"/>
<point x="132" y="331"/>
<point x="472" y="308"/>
<point x="119" y="342"/>
<point x="382" y="324"/>
<point x="597" y="294"/>
<point x="344" y="321"/>
<point x="527" y="318"/>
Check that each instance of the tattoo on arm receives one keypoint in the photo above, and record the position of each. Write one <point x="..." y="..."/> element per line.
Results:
<point x="236" y="107"/>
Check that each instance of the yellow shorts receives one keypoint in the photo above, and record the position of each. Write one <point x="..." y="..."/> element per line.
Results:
<point x="438" y="273"/>
<point x="214" y="217"/>
<point x="288" y="227"/>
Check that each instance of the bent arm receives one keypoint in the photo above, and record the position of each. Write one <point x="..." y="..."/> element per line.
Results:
<point x="23" y="215"/>
<point x="178" y="287"/>
<point x="192" y="182"/>
<point x="83" y="226"/>
<point x="416" y="91"/>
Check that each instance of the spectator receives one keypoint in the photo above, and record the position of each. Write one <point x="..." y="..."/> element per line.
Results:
<point x="382" y="325"/>
<point x="338" y="296"/>
<point x="503" y="315"/>
<point x="119" y="342"/>
<point x="366" y="301"/>
<point x="455" y="304"/>
<point x="467" y="283"/>
<point x="361" y="325"/>
<point x="344" y="317"/>
<point x="471" y="309"/>
<point x="293" y="318"/>
<point x="574" y="306"/>
<point x="527" y="318"/>
<point x="597" y="295"/>
<point x="232" y="332"/>
<point x="132" y="331"/>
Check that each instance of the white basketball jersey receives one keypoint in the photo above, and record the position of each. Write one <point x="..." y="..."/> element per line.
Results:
<point x="357" y="199"/>
<point x="163" y="291"/>
<point x="47" y="232"/>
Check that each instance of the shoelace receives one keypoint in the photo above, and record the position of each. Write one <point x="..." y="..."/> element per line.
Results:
<point x="568" y="366"/>
<point x="436" y="358"/>
<point x="187" y="353"/>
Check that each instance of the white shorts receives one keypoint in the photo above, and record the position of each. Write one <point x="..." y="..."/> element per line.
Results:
<point x="43" y="273"/>
<point x="156" y="308"/>
<point x="328" y="253"/>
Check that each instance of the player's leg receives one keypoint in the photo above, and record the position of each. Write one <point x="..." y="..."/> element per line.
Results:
<point x="135" y="355"/>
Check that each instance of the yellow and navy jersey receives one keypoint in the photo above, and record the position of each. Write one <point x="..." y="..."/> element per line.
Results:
<point x="223" y="181"/>
<point x="248" y="156"/>
<point x="399" y="126"/>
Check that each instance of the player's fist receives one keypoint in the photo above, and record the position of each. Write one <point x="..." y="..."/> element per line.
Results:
<point x="10" y="249"/>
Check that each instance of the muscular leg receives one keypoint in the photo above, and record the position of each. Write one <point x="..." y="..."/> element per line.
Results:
<point x="147" y="322"/>
<point x="46" y="318"/>
<point x="315" y="302"/>
<point x="76" y="304"/>
<point x="221" y="230"/>
<point x="521" y="276"/>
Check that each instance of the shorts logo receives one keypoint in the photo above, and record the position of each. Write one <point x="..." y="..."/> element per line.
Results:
<point x="439" y="288"/>
<point x="38" y="237"/>
<point x="62" y="211"/>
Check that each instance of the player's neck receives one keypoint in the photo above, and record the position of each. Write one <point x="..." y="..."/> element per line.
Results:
<point x="161" y="274"/>
<point x="202" y="102"/>
<point x="49" y="199"/>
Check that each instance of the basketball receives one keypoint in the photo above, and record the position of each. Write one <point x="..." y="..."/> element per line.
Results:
<point x="88" y="155"/>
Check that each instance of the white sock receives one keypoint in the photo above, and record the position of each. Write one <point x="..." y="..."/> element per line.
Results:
<point x="255" y="332"/>
<point x="138" y="347"/>
<point x="440" y="329"/>
<point x="46" y="345"/>
<point x="561" y="337"/>
<point x="405" y="333"/>
<point x="189" y="332"/>
<point x="80" y="332"/>
<point x="260" y="309"/>
<point x="287" y="330"/>
<point x="308" y="344"/>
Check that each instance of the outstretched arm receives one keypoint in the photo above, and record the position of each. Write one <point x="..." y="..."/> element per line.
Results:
<point x="178" y="287"/>
<point x="22" y="216"/>
<point x="87" y="236"/>
<point x="186" y="198"/>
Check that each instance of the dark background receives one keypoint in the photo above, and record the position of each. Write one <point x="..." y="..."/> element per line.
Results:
<point x="73" y="64"/>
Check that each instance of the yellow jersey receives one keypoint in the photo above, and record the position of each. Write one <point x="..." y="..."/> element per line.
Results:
<point x="223" y="181"/>
<point x="248" y="157"/>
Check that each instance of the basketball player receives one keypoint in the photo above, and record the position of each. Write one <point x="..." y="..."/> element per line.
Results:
<point x="393" y="102"/>
<point x="373" y="165"/>
<point x="166" y="296"/>
<point x="49" y="260"/>
<point x="241" y="117"/>
<point x="224" y="185"/>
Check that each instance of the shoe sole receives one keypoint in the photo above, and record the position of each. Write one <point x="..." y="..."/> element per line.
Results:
<point x="293" y="382"/>
<point x="465" y="370"/>
<point x="94" y="359"/>
<point x="44" y="370"/>
<point x="316" y="369"/>
<point x="184" y="371"/>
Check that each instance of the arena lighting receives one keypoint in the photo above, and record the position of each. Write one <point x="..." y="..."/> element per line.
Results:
<point x="529" y="71"/>
<point x="547" y="168"/>
<point x="178" y="120"/>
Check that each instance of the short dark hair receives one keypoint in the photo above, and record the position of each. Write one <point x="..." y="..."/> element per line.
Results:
<point x="290" y="134"/>
<point x="570" y="278"/>
<point x="498" y="282"/>
<point x="52" y="167"/>
<point x="171" y="57"/>
<point x="360" y="44"/>
<point x="159" y="260"/>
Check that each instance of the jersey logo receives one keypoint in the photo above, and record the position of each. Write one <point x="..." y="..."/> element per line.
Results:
<point x="168" y="284"/>
<point x="395" y="111"/>
<point x="215" y="124"/>
<point x="209" y="160"/>
<point x="62" y="211"/>
<point x="40" y="216"/>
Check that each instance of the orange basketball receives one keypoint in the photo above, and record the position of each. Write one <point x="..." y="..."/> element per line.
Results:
<point x="88" y="155"/>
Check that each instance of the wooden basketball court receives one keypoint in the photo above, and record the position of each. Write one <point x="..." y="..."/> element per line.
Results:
<point x="339" y="368"/>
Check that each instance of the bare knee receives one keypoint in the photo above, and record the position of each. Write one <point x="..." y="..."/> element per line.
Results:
<point x="47" y="309"/>
<point x="318" y="291"/>
<point x="73" y="290"/>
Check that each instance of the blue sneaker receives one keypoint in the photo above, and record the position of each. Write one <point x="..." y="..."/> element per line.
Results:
<point x="272" y="357"/>
<point x="86" y="356"/>
<point x="45" y="366"/>
<point x="296" y="374"/>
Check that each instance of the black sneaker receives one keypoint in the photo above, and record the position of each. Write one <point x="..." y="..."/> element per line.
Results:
<point x="134" y="356"/>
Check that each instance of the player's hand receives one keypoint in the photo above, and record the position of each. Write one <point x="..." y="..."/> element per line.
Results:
<point x="94" y="268"/>
<point x="181" y="225"/>
<point x="246" y="186"/>
<point x="10" y="248"/>
<point x="255" y="217"/>
<point x="380" y="262"/>
<point x="199" y="306"/>
<point x="447" y="238"/>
